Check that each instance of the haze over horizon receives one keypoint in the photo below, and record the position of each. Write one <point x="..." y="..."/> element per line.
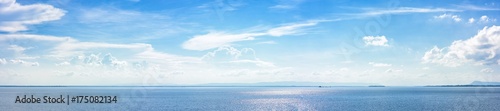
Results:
<point x="139" y="42"/>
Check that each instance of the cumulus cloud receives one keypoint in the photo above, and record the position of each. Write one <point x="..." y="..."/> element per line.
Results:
<point x="482" y="19"/>
<point x="375" y="41"/>
<point x="14" y="16"/>
<point x="228" y="54"/>
<point x="481" y="49"/>
<point x="95" y="60"/>
<point x="471" y="20"/>
<point x="485" y="19"/>
<point x="379" y="64"/>
<point x="455" y="18"/>
<point x="216" y="39"/>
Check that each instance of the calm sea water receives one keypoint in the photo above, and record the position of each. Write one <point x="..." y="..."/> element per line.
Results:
<point x="263" y="98"/>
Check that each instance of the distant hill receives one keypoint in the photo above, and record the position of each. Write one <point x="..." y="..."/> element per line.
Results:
<point x="484" y="83"/>
<point x="473" y="84"/>
<point x="289" y="83"/>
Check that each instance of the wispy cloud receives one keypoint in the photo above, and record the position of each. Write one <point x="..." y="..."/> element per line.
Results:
<point x="220" y="7"/>
<point x="108" y="23"/>
<point x="455" y="18"/>
<point x="405" y="10"/>
<point x="288" y="29"/>
<point x="267" y="42"/>
<point x="287" y="4"/>
<point x="14" y="16"/>
<point x="216" y="39"/>
<point x="64" y="47"/>
<point x="393" y="70"/>
<point x="475" y="7"/>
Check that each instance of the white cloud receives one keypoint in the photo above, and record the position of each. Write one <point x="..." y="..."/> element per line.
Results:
<point x="482" y="19"/>
<point x="220" y="7"/>
<point x="4" y="37"/>
<point x="379" y="64"/>
<point x="217" y="39"/>
<point x="63" y="63"/>
<point x="375" y="41"/>
<point x="486" y="19"/>
<point x="3" y="61"/>
<point x="66" y="49"/>
<point x="449" y="16"/>
<point x="256" y="62"/>
<point x="14" y="16"/>
<point x="66" y="46"/>
<point x="482" y="49"/>
<point x="16" y="48"/>
<point x="267" y="42"/>
<point x="471" y="20"/>
<point x="487" y="70"/>
<point x="19" y="52"/>
<point x="228" y="54"/>
<point x="95" y="60"/>
<point x="393" y="70"/>
<point x="289" y="29"/>
<point x="25" y="63"/>
<point x="110" y="15"/>
<point x="282" y="7"/>
<point x="62" y="48"/>
<point x="287" y="4"/>
<point x="403" y="10"/>
<point x="474" y="7"/>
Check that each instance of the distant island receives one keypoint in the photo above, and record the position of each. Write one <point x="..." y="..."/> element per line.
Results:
<point x="473" y="84"/>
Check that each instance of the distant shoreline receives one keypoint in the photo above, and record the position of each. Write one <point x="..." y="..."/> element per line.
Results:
<point x="181" y="86"/>
<point x="464" y="86"/>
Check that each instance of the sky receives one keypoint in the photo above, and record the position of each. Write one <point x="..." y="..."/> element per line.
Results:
<point x="153" y="42"/>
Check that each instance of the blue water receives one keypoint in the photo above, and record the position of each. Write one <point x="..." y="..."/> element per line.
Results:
<point x="263" y="98"/>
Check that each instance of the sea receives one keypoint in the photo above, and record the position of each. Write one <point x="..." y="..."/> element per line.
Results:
<point x="260" y="98"/>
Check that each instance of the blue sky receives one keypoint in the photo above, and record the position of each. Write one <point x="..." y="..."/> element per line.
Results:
<point x="150" y="42"/>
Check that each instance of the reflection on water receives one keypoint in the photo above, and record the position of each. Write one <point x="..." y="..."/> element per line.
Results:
<point x="279" y="104"/>
<point x="284" y="92"/>
<point x="281" y="99"/>
<point x="265" y="98"/>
